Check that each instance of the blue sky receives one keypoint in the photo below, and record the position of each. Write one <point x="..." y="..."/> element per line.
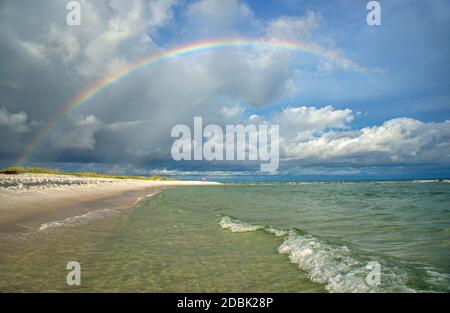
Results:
<point x="389" y="119"/>
<point x="411" y="45"/>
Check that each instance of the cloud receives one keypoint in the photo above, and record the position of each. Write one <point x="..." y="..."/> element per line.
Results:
<point x="324" y="135"/>
<point x="125" y="24"/>
<point x="62" y="44"/>
<point x="294" y="27"/>
<point x="16" y="122"/>
<point x="300" y="123"/>
<point x="305" y="29"/>
<point x="169" y="172"/>
<point x="396" y="141"/>
<point x="44" y="63"/>
<point x="160" y="13"/>
<point x="34" y="50"/>
<point x="111" y="32"/>
<point x="309" y="136"/>
<point x="222" y="17"/>
<point x="78" y="135"/>
<point x="233" y="111"/>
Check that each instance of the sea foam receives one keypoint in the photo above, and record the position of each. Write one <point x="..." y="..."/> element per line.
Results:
<point x="79" y="219"/>
<point x="92" y="215"/>
<point x="334" y="266"/>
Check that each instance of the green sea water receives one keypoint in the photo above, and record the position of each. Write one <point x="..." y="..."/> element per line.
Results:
<point x="274" y="237"/>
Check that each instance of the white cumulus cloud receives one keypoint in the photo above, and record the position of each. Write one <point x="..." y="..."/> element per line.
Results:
<point x="396" y="141"/>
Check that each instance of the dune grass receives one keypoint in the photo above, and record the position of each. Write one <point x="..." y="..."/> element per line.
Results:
<point x="38" y="170"/>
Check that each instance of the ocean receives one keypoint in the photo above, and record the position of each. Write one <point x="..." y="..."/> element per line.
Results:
<point x="247" y="237"/>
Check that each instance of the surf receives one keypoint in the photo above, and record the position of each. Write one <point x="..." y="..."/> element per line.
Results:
<point x="335" y="266"/>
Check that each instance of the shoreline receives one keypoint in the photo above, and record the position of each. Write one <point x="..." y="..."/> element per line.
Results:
<point x="29" y="200"/>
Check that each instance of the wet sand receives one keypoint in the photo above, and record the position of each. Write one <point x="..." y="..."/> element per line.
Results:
<point x="26" y="207"/>
<point x="27" y="218"/>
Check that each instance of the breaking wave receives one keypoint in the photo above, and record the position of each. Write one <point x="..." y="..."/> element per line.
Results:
<point x="425" y="181"/>
<point x="335" y="266"/>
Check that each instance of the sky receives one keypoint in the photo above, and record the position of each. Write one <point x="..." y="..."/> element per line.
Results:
<point x="375" y="104"/>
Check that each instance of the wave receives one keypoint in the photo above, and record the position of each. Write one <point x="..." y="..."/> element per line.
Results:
<point x="237" y="226"/>
<point x="92" y="215"/>
<point x="79" y="219"/>
<point x="228" y="223"/>
<point x="142" y="198"/>
<point x="335" y="266"/>
<point x="424" y="181"/>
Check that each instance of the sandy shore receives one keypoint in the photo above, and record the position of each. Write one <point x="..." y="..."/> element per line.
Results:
<point x="29" y="199"/>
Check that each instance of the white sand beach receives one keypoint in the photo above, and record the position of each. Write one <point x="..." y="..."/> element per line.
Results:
<point x="25" y="196"/>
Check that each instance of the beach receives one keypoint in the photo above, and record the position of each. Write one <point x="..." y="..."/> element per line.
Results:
<point x="27" y="198"/>
<point x="234" y="237"/>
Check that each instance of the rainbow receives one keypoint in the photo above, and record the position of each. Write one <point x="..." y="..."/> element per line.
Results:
<point x="100" y="85"/>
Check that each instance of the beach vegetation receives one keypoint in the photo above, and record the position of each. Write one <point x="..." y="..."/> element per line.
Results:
<point x="39" y="170"/>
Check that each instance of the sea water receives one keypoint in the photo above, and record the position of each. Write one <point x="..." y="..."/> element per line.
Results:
<point x="274" y="237"/>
